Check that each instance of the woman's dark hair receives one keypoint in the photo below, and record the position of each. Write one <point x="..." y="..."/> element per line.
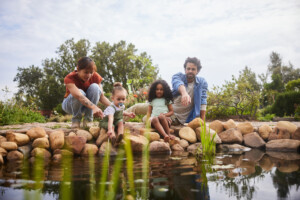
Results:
<point x="167" y="91"/>
<point x="118" y="87"/>
<point x="86" y="63"/>
<point x="195" y="61"/>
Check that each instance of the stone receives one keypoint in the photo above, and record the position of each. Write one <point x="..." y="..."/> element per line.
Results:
<point x="233" y="148"/>
<point x="85" y="134"/>
<point x="217" y="126"/>
<point x="284" y="155"/>
<point x="146" y="130"/>
<point x="104" y="146"/>
<point x="9" y="146"/>
<point x="287" y="125"/>
<point x="36" y="132"/>
<point x="95" y="131"/>
<point x="264" y="131"/>
<point x="40" y="152"/>
<point x="195" y="123"/>
<point x="288" y="167"/>
<point x="183" y="143"/>
<point x="217" y="139"/>
<point x="265" y="163"/>
<point x="254" y="155"/>
<point x="102" y="137"/>
<point x="14" y="155"/>
<point x="176" y="129"/>
<point x="1" y="160"/>
<point x="231" y="136"/>
<point x="245" y="128"/>
<point x="229" y="124"/>
<point x="137" y="142"/>
<point x="253" y="140"/>
<point x="89" y="149"/>
<point x="153" y="136"/>
<point x="283" y="145"/>
<point x="188" y="134"/>
<point x="63" y="152"/>
<point x="193" y="148"/>
<point x="41" y="143"/>
<point x="57" y="157"/>
<point x="157" y="146"/>
<point x="3" y="152"/>
<point x="177" y="147"/>
<point x="75" y="143"/>
<point x="19" y="138"/>
<point x="26" y="149"/>
<point x="72" y="134"/>
<point x="57" y="140"/>
<point x="296" y="134"/>
<point x="2" y="139"/>
<point x="279" y="133"/>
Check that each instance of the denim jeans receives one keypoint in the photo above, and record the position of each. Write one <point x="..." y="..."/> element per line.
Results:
<point x="73" y="106"/>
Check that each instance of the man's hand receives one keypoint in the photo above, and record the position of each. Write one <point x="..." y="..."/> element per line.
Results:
<point x="97" y="112"/>
<point x="185" y="99"/>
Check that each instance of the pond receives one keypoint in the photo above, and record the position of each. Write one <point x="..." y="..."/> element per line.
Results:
<point x="252" y="175"/>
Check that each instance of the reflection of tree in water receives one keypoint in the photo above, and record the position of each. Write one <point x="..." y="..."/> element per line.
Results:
<point x="283" y="182"/>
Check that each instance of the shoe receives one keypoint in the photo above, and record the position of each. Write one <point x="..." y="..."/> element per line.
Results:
<point x="75" y="125"/>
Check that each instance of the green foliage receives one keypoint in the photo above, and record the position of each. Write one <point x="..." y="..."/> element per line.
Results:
<point x="13" y="113"/>
<point x="266" y="118"/>
<point x="293" y="85"/>
<point x="138" y="118"/>
<point x="286" y="104"/>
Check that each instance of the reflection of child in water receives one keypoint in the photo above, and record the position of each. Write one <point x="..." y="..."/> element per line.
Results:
<point x="113" y="114"/>
<point x="160" y="108"/>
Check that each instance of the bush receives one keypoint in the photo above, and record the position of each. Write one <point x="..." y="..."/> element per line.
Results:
<point x="266" y="118"/>
<point x="286" y="104"/>
<point x="13" y="113"/>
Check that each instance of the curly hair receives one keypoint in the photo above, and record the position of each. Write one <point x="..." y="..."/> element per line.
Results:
<point x="118" y="87"/>
<point x="167" y="91"/>
<point x="195" y="61"/>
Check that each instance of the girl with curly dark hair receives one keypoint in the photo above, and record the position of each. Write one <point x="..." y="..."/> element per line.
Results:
<point x="160" y="108"/>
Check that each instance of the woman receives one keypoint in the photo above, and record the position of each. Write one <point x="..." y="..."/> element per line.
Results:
<point x="83" y="92"/>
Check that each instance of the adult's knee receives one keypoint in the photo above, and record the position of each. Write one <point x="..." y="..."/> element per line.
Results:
<point x="94" y="88"/>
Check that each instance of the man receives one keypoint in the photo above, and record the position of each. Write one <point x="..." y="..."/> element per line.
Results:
<point x="189" y="91"/>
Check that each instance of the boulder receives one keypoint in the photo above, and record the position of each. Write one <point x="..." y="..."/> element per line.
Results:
<point x="193" y="148"/>
<point x="233" y="148"/>
<point x="229" y="124"/>
<point x="2" y="139"/>
<point x="253" y="140"/>
<point x="75" y="143"/>
<point x="183" y="143"/>
<point x="209" y="131"/>
<point x="283" y="145"/>
<point x="95" y="131"/>
<point x="57" y="139"/>
<point x="279" y="133"/>
<point x="41" y="143"/>
<point x="14" y="155"/>
<point x="26" y="149"/>
<point x="195" y="123"/>
<point x="88" y="136"/>
<point x="296" y="134"/>
<point x="153" y="136"/>
<point x="106" y="145"/>
<point x="63" y="152"/>
<point x="157" y="146"/>
<point x="36" y="132"/>
<point x="188" y="134"/>
<point x="3" y="152"/>
<point x="102" y="137"/>
<point x="89" y="149"/>
<point x="40" y="152"/>
<point x="264" y="131"/>
<point x="137" y="142"/>
<point x="72" y="134"/>
<point x="177" y="147"/>
<point x="231" y="136"/>
<point x="245" y="128"/>
<point x="19" y="138"/>
<point x="9" y="146"/>
<point x="287" y="125"/>
<point x="217" y="126"/>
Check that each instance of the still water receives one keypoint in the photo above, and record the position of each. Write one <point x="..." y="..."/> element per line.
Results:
<point x="252" y="175"/>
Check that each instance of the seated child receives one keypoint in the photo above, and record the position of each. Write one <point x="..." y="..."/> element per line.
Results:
<point x="113" y="114"/>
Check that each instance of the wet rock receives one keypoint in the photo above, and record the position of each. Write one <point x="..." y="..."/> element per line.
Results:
<point x="217" y="126"/>
<point x="229" y="124"/>
<point x="57" y="157"/>
<point x="89" y="149"/>
<point x="104" y="146"/>
<point x="296" y="134"/>
<point x="179" y="154"/>
<point x="177" y="147"/>
<point x="9" y="146"/>
<point x="195" y="123"/>
<point x="95" y="131"/>
<point x="253" y="140"/>
<point x="248" y="168"/>
<point x="102" y="137"/>
<point x="283" y="145"/>
<point x="231" y="136"/>
<point x="289" y="126"/>
<point x="14" y="155"/>
<point x="75" y="143"/>
<point x="3" y="152"/>
<point x="57" y="139"/>
<point x="254" y="155"/>
<point x="137" y="142"/>
<point x="284" y="155"/>
<point x="26" y="149"/>
<point x="279" y="133"/>
<point x="194" y="148"/>
<point x="288" y="167"/>
<point x="41" y="143"/>
<point x="40" y="152"/>
<point x="265" y="163"/>
<point x="233" y="148"/>
<point x="183" y="143"/>
<point x="157" y="146"/>
<point x="19" y="138"/>
<point x="63" y="152"/>
<point x="210" y="132"/>
<point x="85" y="134"/>
<point x="264" y="131"/>
<point x="188" y="134"/>
<point x="36" y="132"/>
<point x="245" y="128"/>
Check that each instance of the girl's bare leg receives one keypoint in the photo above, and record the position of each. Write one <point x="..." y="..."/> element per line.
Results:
<point x="158" y="126"/>
<point x="164" y="122"/>
<point x="120" y="132"/>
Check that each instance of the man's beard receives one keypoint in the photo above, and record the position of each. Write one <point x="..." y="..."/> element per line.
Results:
<point x="190" y="76"/>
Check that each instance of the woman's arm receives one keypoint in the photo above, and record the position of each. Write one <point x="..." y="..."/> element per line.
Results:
<point x="103" y="98"/>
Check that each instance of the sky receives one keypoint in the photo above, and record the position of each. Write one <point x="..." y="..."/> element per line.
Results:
<point x="226" y="35"/>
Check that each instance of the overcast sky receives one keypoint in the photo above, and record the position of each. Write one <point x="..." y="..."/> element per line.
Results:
<point x="225" y="35"/>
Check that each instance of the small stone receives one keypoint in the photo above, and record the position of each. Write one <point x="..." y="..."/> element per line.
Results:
<point x="229" y="124"/>
<point x="57" y="139"/>
<point x="195" y="123"/>
<point x="36" y="132"/>
<point x="188" y="134"/>
<point x="157" y="146"/>
<point x="9" y="146"/>
<point x="3" y="152"/>
<point x="245" y="128"/>
<point x="40" y="152"/>
<point x="14" y="155"/>
<point x="85" y="134"/>
<point x="41" y="143"/>
<point x="89" y="149"/>
<point x="264" y="131"/>
<point x="19" y="138"/>
<point x="95" y="131"/>
<point x="217" y="126"/>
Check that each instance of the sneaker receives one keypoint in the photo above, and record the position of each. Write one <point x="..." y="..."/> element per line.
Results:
<point x="75" y="125"/>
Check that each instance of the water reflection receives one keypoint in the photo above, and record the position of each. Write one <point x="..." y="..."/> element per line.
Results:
<point x="253" y="175"/>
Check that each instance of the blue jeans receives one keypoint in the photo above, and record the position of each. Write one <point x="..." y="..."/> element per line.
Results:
<point x="73" y="106"/>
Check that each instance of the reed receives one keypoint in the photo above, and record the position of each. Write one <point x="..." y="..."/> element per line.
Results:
<point x="129" y="163"/>
<point x="66" y="184"/>
<point x="145" y="165"/>
<point x="104" y="173"/>
<point x="208" y="144"/>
